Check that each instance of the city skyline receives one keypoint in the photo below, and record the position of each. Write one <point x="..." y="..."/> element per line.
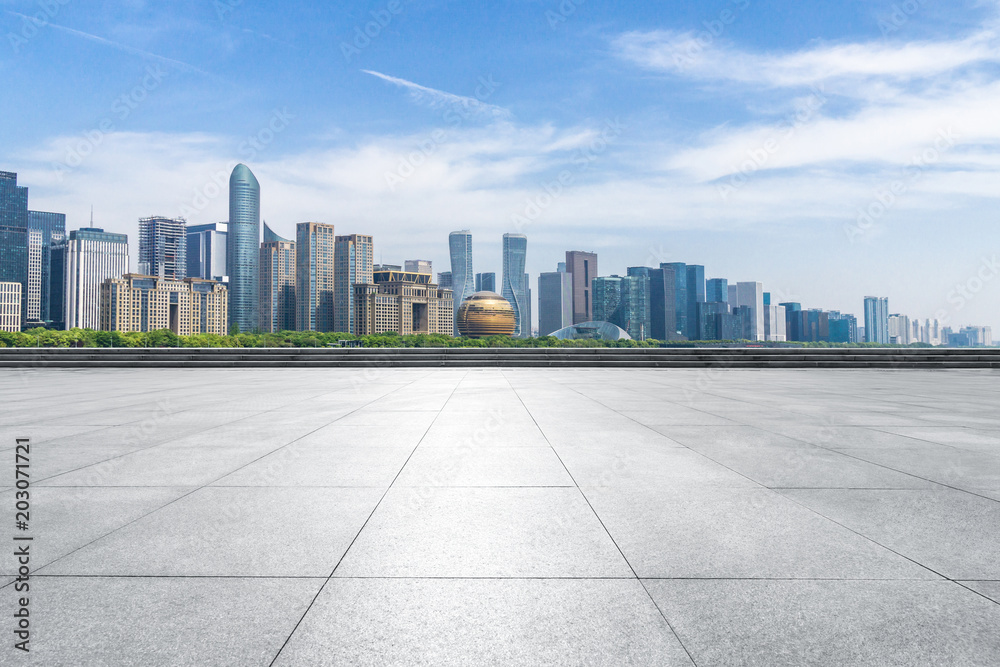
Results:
<point x="652" y="126"/>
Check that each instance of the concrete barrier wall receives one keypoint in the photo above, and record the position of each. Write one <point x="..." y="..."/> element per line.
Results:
<point x="977" y="358"/>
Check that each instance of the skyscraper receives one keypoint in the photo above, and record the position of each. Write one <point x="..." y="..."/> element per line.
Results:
<point x="277" y="283"/>
<point x="463" y="279"/>
<point x="10" y="307"/>
<point x="486" y="282"/>
<point x="555" y="302"/>
<point x="528" y="327"/>
<point x="44" y="231"/>
<point x="695" y="295"/>
<point x="877" y="320"/>
<point x="353" y="264"/>
<point x="92" y="257"/>
<point x="658" y="289"/>
<point x="418" y="266"/>
<point x="717" y="291"/>
<point x="583" y="267"/>
<point x="444" y="280"/>
<point x="515" y="250"/>
<point x="315" y="248"/>
<point x="206" y="251"/>
<point x="243" y="248"/>
<point x="751" y="295"/>
<point x="163" y="247"/>
<point x="14" y="236"/>
<point x="676" y="278"/>
<point x="623" y="302"/>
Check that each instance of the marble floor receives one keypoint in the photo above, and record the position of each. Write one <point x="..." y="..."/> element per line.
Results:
<point x="466" y="516"/>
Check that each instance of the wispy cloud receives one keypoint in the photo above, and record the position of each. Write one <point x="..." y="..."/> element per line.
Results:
<point x="119" y="46"/>
<point x="439" y="99"/>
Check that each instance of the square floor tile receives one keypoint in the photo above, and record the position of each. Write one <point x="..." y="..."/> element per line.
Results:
<point x="474" y="465"/>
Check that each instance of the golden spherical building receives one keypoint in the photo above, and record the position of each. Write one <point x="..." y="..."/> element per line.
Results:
<point x="486" y="314"/>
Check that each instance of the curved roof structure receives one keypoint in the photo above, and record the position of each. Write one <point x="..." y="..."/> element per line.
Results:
<point x="271" y="237"/>
<point x="592" y="331"/>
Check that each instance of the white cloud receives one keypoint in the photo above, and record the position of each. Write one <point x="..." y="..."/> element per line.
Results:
<point x="439" y="99"/>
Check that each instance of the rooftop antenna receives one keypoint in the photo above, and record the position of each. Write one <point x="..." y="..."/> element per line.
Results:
<point x="91" y="215"/>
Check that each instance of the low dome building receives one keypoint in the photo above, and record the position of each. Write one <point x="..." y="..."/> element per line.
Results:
<point x="486" y="314"/>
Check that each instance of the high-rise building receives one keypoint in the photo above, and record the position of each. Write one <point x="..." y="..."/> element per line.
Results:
<point x="463" y="278"/>
<point x="45" y="230"/>
<point x="243" y="248"/>
<point x="486" y="282"/>
<point x="150" y="303"/>
<point x="715" y="321"/>
<point x="206" y="251"/>
<point x="662" y="315"/>
<point x="14" y="239"/>
<point x="843" y="328"/>
<point x="515" y="250"/>
<point x="528" y="328"/>
<point x="444" y="280"/>
<point x="876" y="320"/>
<point x="717" y="291"/>
<point x="775" y="324"/>
<point x="899" y="330"/>
<point x="792" y="321"/>
<point x="315" y="248"/>
<point x="353" y="265"/>
<point x="163" y="247"/>
<point x="751" y="295"/>
<point x="695" y="283"/>
<point x="92" y="256"/>
<point x="624" y="302"/>
<point x="405" y="303"/>
<point x="277" y="283"/>
<point x="555" y="302"/>
<point x="561" y="267"/>
<point x="583" y="267"/>
<point x="978" y="336"/>
<point x="10" y="307"/>
<point x="418" y="266"/>
<point x="677" y="299"/>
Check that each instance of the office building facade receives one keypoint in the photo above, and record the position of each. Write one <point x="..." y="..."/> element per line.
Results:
<point x="463" y="279"/>
<point x="206" y="251"/>
<point x="243" y="248"/>
<point x="418" y="266"/>
<point x="277" y="283"/>
<point x="405" y="303"/>
<point x="624" y="302"/>
<point x="10" y="307"/>
<point x="353" y="265"/>
<point x="582" y="266"/>
<point x="486" y="282"/>
<point x="444" y="280"/>
<point x="45" y="231"/>
<point x="92" y="256"/>
<point x="751" y="295"/>
<point x="515" y="290"/>
<point x="876" y="320"/>
<point x="717" y="290"/>
<point x="315" y="295"/>
<point x="149" y="303"/>
<point x="555" y="302"/>
<point x="163" y="247"/>
<point x="14" y="240"/>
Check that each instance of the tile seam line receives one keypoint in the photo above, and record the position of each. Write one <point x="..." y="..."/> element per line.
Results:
<point x="199" y="488"/>
<point x="370" y="515"/>
<point x="583" y="495"/>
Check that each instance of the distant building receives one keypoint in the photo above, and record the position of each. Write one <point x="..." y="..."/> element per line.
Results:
<point x="150" y="303"/>
<point x="624" y="302"/>
<point x="876" y="320"/>
<point x="206" y="251"/>
<point x="676" y="294"/>
<point x="419" y="266"/>
<point x="717" y="291"/>
<point x="843" y="328"/>
<point x="406" y="303"/>
<point x="793" y="321"/>
<point x="695" y="295"/>
<point x="163" y="247"/>
<point x="486" y="282"/>
<point x="315" y="248"/>
<point x="528" y="327"/>
<point x="277" y="283"/>
<point x="979" y="336"/>
<point x="900" y="331"/>
<point x="353" y="258"/>
<point x="555" y="302"/>
<point x="515" y="250"/>
<point x="10" y="307"/>
<point x="243" y="248"/>
<point x="751" y="295"/>
<point x="463" y="278"/>
<point x="775" y="326"/>
<point x="14" y="239"/>
<point x="444" y="280"/>
<point x="715" y="321"/>
<point x="583" y="267"/>
<point x="45" y="230"/>
<point x="92" y="256"/>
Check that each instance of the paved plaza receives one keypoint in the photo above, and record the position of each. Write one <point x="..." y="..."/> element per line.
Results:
<point x="485" y="516"/>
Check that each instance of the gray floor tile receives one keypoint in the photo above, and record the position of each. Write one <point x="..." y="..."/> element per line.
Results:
<point x="477" y="622"/>
<point x="475" y="465"/>
<point x="237" y="532"/>
<point x="957" y="436"/>
<point x="164" y="622"/>
<point x="483" y="532"/>
<point x="944" y="465"/>
<point x="663" y="467"/>
<point x="317" y="464"/>
<point x="775" y="623"/>
<point x="990" y="589"/>
<point x="701" y="533"/>
<point x="954" y="533"/>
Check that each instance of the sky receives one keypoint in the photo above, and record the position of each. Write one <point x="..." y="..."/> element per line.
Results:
<point x="828" y="150"/>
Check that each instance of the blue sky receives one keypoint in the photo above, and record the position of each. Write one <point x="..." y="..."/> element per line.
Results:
<point x="829" y="150"/>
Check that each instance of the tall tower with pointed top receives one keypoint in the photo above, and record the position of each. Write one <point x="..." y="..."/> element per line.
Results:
<point x="243" y="248"/>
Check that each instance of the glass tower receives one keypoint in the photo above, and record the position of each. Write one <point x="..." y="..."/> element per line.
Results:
<point x="515" y="251"/>
<point x="14" y="236"/>
<point x="876" y="320"/>
<point x="463" y="280"/>
<point x="206" y="251"/>
<point x="243" y="248"/>
<point x="45" y="230"/>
